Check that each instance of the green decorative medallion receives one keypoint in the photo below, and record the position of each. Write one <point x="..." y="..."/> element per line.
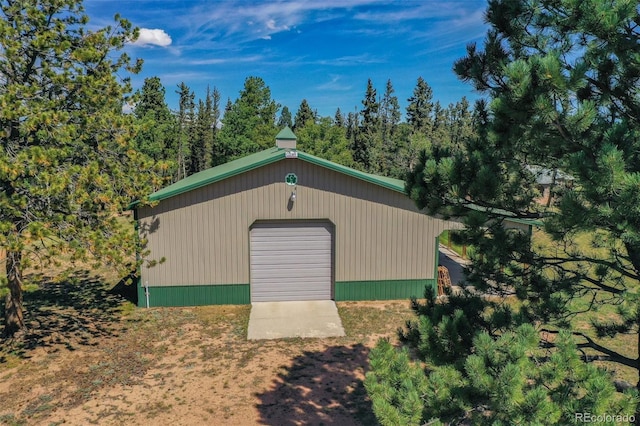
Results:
<point x="291" y="179"/>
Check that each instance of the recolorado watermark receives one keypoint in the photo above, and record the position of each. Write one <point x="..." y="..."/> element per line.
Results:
<point x="603" y="418"/>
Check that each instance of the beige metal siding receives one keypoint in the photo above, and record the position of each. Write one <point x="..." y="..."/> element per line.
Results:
<point x="203" y="235"/>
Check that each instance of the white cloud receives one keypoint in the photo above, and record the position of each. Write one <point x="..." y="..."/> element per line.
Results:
<point x="154" y="37"/>
<point x="334" y="85"/>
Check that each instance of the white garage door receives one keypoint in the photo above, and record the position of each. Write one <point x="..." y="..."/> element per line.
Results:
<point x="290" y="261"/>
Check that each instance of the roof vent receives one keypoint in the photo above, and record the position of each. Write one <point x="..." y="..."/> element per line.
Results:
<point x="286" y="139"/>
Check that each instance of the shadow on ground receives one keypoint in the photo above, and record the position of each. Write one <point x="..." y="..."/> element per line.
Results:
<point x="77" y="311"/>
<point x="320" y="388"/>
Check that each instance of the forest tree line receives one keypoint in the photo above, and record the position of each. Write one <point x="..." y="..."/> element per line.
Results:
<point x="203" y="133"/>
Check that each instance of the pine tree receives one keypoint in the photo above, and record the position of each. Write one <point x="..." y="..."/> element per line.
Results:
<point x="353" y="128"/>
<point x="304" y="116"/>
<point x="482" y="372"/>
<point x="285" y="119"/>
<point x="562" y="77"/>
<point x="420" y="108"/>
<point x="155" y="135"/>
<point x="389" y="112"/>
<point x="215" y="151"/>
<point x="366" y="147"/>
<point x="389" y="120"/>
<point x="186" y="118"/>
<point x="325" y="140"/>
<point x="461" y="124"/>
<point x="249" y="124"/>
<point x="68" y="164"/>
<point x="339" y="119"/>
<point x="203" y="133"/>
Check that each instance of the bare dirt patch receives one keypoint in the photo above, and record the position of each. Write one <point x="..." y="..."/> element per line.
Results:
<point x="89" y="358"/>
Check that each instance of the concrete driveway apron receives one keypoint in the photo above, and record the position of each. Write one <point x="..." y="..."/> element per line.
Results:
<point x="276" y="320"/>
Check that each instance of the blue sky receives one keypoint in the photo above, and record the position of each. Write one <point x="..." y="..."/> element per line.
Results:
<point x="320" y="50"/>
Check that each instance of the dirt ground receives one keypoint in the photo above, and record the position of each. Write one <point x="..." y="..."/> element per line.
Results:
<point x="88" y="357"/>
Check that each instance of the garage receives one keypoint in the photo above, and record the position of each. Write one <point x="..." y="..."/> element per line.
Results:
<point x="291" y="261"/>
<point x="284" y="225"/>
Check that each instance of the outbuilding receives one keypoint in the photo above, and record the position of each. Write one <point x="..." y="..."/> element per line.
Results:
<point x="283" y="225"/>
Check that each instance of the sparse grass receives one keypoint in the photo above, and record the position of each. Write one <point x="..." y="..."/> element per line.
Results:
<point x="39" y="406"/>
<point x="12" y="420"/>
<point x="155" y="408"/>
<point x="600" y="309"/>
<point x="120" y="344"/>
<point x="360" y="320"/>
<point x="167" y="348"/>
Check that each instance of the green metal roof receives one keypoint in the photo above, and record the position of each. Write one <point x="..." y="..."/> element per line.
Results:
<point x="286" y="134"/>
<point x="219" y="173"/>
<point x="259" y="159"/>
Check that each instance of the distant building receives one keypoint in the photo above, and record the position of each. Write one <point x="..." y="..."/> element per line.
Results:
<point x="547" y="180"/>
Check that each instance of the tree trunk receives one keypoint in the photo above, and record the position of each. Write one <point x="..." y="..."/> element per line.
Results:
<point x="14" y="320"/>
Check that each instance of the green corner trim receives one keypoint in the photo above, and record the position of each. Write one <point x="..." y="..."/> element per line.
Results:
<point x="382" y="290"/>
<point x="196" y="295"/>
<point x="437" y="263"/>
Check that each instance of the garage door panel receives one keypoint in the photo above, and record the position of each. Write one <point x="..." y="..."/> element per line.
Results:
<point x="275" y="258"/>
<point x="284" y="244"/>
<point x="291" y="261"/>
<point x="282" y="254"/>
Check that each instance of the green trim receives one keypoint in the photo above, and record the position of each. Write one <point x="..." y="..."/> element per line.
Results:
<point x="382" y="290"/>
<point x="219" y="173"/>
<point x="437" y="262"/>
<point x="197" y="295"/>
<point x="142" y="301"/>
<point x="138" y="283"/>
<point x="260" y="159"/>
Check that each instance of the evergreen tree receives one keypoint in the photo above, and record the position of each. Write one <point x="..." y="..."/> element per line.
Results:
<point x="304" y="116"/>
<point x="389" y="120"/>
<point x="339" y="119"/>
<point x="366" y="148"/>
<point x="461" y="124"/>
<point x="249" y="124"/>
<point x="420" y="108"/>
<point x="216" y="151"/>
<point x="186" y="118"/>
<point x="440" y="133"/>
<point x="389" y="112"/>
<point x="68" y="164"/>
<point x="562" y="77"/>
<point x="325" y="140"/>
<point x="156" y="125"/>
<point x="285" y="119"/>
<point x="353" y="129"/>
<point x="203" y="133"/>
<point x="482" y="373"/>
